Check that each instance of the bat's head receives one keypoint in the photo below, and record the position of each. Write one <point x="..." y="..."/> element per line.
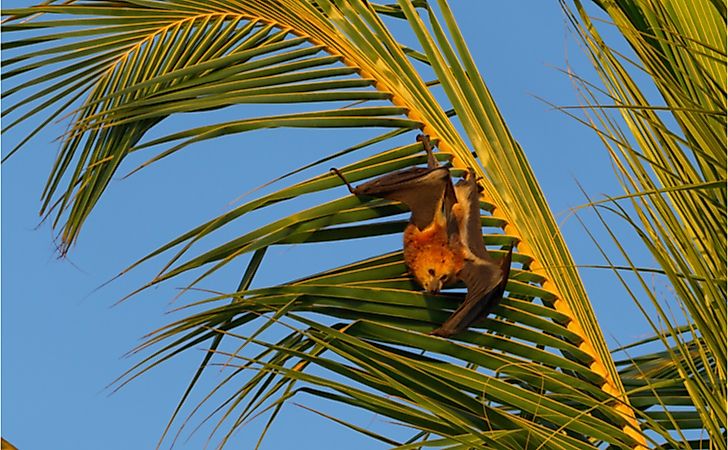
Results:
<point x="430" y="257"/>
<point x="437" y="278"/>
<point x="436" y="268"/>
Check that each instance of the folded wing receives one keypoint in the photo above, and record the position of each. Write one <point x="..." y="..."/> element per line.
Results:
<point x="484" y="277"/>
<point x="486" y="282"/>
<point x="421" y="189"/>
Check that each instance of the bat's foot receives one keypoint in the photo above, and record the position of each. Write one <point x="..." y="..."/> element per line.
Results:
<point x="341" y="175"/>
<point x="427" y="144"/>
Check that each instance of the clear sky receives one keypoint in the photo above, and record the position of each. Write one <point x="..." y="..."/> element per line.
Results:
<point x="62" y="343"/>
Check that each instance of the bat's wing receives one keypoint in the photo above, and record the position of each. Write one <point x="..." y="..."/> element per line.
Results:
<point x="484" y="277"/>
<point x="470" y="230"/>
<point x="486" y="282"/>
<point x="421" y="189"/>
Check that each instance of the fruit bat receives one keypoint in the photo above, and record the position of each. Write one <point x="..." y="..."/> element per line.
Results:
<point x="443" y="242"/>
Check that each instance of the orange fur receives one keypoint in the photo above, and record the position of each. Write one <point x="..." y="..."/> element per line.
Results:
<point x="429" y="256"/>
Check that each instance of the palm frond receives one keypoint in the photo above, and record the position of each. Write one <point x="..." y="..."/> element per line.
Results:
<point x="542" y="378"/>
<point x="681" y="157"/>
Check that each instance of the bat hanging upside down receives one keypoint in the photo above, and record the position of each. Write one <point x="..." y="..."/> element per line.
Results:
<point x="443" y="242"/>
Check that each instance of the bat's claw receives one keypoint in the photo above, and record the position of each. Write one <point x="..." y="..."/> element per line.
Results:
<point x="427" y="144"/>
<point x="341" y="175"/>
<point x="471" y="174"/>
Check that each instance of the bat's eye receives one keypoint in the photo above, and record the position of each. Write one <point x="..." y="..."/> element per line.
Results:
<point x="443" y="278"/>
<point x="431" y="272"/>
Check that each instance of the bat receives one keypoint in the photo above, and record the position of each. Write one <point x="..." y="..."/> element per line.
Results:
<point x="443" y="241"/>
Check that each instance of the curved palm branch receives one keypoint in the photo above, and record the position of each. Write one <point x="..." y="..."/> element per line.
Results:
<point x="541" y="378"/>
<point x="673" y="170"/>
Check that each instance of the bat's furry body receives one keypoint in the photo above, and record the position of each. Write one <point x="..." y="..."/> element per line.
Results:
<point x="443" y="242"/>
<point x="432" y="259"/>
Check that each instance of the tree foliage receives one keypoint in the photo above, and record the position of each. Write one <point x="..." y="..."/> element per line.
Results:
<point x="536" y="375"/>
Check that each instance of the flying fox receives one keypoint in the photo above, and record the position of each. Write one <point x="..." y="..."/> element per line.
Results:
<point x="443" y="242"/>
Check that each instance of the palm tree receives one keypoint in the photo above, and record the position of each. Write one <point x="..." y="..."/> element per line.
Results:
<point x="542" y="375"/>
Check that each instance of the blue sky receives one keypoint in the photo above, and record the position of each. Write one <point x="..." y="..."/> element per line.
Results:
<point x="62" y="342"/>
